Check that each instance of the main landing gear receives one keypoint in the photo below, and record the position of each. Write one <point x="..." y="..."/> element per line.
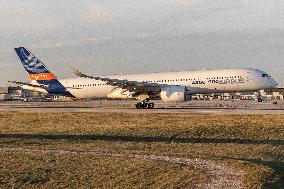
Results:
<point x="145" y="105"/>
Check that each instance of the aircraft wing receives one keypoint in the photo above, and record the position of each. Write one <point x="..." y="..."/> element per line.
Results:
<point x="132" y="86"/>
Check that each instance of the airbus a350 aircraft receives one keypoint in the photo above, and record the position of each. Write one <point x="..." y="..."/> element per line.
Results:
<point x="169" y="87"/>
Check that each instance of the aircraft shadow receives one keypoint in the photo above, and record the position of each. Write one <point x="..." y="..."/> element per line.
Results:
<point x="122" y="138"/>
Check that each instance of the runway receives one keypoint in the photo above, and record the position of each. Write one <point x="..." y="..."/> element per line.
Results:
<point x="221" y="107"/>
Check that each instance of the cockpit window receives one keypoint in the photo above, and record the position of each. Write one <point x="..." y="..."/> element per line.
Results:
<point x="265" y="75"/>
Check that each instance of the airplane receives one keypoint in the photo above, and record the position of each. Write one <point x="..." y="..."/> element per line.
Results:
<point x="169" y="86"/>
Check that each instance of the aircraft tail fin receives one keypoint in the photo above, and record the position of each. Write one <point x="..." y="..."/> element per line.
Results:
<point x="38" y="73"/>
<point x="35" y="68"/>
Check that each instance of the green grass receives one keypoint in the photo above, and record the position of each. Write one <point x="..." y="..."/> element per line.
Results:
<point x="251" y="143"/>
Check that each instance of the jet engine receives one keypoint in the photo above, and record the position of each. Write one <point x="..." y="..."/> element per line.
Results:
<point x="173" y="94"/>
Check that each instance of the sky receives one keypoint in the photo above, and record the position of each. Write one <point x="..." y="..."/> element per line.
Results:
<point x="105" y="37"/>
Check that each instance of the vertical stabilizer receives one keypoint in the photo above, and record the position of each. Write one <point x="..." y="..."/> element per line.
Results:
<point x="38" y="72"/>
<point x="35" y="68"/>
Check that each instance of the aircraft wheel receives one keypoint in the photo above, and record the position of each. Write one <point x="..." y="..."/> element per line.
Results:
<point x="139" y="105"/>
<point x="259" y="99"/>
<point x="145" y="105"/>
<point x="151" y="105"/>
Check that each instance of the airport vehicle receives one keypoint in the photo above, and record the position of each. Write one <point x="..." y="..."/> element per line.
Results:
<point x="169" y="87"/>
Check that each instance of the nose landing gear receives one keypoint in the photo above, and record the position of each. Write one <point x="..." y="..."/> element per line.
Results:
<point x="259" y="98"/>
<point x="145" y="105"/>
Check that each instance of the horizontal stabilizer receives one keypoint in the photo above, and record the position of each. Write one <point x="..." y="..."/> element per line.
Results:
<point x="28" y="84"/>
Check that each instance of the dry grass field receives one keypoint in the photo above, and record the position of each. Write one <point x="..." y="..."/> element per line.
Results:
<point x="252" y="144"/>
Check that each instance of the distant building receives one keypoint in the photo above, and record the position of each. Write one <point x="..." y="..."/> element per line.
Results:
<point x="18" y="94"/>
<point x="3" y="93"/>
<point x="61" y="98"/>
<point x="276" y="93"/>
<point x="14" y="93"/>
<point x="3" y="90"/>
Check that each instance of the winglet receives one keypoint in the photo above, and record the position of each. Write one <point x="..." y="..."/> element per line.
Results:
<point x="76" y="71"/>
<point x="80" y="74"/>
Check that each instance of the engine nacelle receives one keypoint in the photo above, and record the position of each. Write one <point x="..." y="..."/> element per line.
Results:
<point x="173" y="94"/>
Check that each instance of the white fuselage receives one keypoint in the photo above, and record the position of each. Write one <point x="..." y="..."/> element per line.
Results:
<point x="204" y="81"/>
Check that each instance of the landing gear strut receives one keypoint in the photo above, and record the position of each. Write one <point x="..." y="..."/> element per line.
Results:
<point x="145" y="105"/>
<point x="259" y="98"/>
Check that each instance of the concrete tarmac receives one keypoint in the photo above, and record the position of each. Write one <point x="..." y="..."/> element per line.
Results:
<point x="233" y="107"/>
